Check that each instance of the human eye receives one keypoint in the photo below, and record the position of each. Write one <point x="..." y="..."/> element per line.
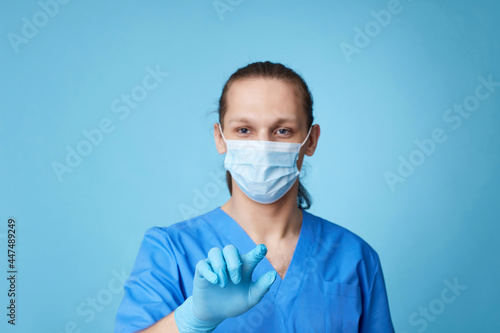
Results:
<point x="284" y="131"/>
<point x="242" y="130"/>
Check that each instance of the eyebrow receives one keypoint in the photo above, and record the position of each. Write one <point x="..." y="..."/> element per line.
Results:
<point x="247" y="121"/>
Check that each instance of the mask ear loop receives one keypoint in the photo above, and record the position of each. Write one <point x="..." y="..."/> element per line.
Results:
<point x="220" y="130"/>
<point x="307" y="137"/>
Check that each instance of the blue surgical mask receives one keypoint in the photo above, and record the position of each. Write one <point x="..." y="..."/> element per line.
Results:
<point x="263" y="170"/>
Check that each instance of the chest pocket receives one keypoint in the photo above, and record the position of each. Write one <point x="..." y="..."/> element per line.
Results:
<point x="343" y="306"/>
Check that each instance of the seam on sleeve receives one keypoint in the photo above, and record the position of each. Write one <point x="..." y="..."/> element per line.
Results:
<point x="374" y="276"/>
<point x="170" y="245"/>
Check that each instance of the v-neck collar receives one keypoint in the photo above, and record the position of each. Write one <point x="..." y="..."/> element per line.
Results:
<point x="237" y="236"/>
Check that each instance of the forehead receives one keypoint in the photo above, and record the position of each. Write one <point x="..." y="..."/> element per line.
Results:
<point x="263" y="98"/>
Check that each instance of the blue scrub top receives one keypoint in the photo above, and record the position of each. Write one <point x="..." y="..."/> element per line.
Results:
<point x="334" y="282"/>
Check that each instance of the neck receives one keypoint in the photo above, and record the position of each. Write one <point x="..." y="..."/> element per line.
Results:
<point x="266" y="223"/>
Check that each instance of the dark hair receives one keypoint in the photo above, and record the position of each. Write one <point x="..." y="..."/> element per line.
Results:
<point x="271" y="70"/>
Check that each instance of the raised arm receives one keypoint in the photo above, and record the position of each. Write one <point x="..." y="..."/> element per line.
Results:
<point x="222" y="288"/>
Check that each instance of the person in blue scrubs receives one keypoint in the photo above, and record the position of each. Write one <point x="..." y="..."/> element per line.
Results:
<point x="260" y="262"/>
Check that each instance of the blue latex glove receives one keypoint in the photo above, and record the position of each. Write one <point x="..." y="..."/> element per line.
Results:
<point x="223" y="288"/>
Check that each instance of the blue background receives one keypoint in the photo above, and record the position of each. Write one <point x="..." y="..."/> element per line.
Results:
<point x="79" y="231"/>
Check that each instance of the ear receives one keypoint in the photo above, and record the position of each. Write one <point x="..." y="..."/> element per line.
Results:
<point x="219" y="142"/>
<point x="313" y="140"/>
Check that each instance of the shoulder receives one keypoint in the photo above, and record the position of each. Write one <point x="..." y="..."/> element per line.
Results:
<point x="343" y="240"/>
<point x="191" y="227"/>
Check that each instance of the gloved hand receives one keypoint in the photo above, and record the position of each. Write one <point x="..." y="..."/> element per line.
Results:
<point x="216" y="296"/>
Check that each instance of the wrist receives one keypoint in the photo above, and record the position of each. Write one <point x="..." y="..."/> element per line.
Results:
<point x="187" y="322"/>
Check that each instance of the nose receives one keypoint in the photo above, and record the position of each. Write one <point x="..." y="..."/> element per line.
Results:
<point x="264" y="135"/>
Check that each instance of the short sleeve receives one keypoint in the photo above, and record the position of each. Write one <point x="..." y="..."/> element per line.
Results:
<point x="376" y="316"/>
<point x="152" y="290"/>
